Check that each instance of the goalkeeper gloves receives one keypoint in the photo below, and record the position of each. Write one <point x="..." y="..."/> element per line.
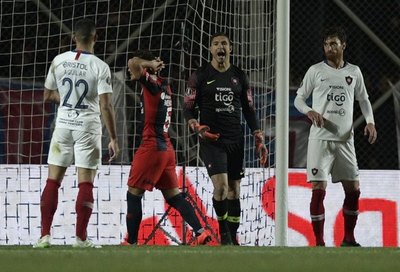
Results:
<point x="203" y="131"/>
<point x="261" y="149"/>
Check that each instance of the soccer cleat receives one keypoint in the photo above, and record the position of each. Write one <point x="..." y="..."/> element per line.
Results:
<point x="350" y="244"/>
<point x="125" y="242"/>
<point x="226" y="239"/>
<point x="43" y="242"/>
<point x="204" y="238"/>
<point x="85" y="244"/>
<point x="235" y="242"/>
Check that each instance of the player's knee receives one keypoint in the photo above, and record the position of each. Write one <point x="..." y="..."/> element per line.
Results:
<point x="319" y="185"/>
<point x="220" y="193"/>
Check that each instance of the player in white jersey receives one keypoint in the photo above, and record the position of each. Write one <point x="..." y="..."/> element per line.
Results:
<point x="334" y="84"/>
<point x="81" y="84"/>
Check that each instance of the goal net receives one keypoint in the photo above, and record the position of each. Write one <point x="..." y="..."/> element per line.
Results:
<point x="34" y="32"/>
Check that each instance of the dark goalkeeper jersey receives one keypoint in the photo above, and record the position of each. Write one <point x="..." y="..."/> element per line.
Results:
<point x="156" y="110"/>
<point x="220" y="97"/>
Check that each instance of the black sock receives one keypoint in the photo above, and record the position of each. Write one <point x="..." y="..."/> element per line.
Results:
<point x="233" y="217"/>
<point x="133" y="216"/>
<point x="221" y="209"/>
<point x="186" y="210"/>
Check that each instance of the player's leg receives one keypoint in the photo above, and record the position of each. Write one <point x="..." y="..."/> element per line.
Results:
<point x="87" y="150"/>
<point x="174" y="198"/>
<point x="350" y="211"/>
<point x="220" y="204"/>
<point x="48" y="203"/>
<point x="234" y="209"/>
<point x="319" y="164"/>
<point x="134" y="214"/>
<point x="168" y="184"/>
<point x="146" y="168"/>
<point x="346" y="171"/>
<point x="215" y="159"/>
<point x="84" y="201"/>
<point x="317" y="211"/>
<point x="59" y="158"/>
<point x="236" y="170"/>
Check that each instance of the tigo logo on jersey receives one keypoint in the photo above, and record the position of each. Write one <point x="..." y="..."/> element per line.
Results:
<point x="337" y="98"/>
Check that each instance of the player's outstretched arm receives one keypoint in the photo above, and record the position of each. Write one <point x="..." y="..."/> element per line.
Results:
<point x="107" y="113"/>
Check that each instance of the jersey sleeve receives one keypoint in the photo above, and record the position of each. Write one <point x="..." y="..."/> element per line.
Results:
<point x="361" y="96"/>
<point x="190" y="99"/>
<point x="147" y="81"/>
<point x="51" y="82"/>
<point x="104" y="80"/>
<point x="304" y="91"/>
<point x="247" y="103"/>
<point x="360" y="89"/>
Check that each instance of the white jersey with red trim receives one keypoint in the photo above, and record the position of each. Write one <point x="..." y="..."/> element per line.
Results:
<point x="80" y="78"/>
<point x="333" y="93"/>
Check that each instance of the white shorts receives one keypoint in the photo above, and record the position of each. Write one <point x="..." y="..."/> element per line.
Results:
<point x="331" y="157"/>
<point x="68" y="144"/>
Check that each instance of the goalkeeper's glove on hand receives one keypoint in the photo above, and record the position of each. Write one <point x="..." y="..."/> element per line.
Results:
<point x="261" y="149"/>
<point x="203" y="131"/>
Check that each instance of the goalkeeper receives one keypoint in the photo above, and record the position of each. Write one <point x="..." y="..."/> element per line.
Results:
<point x="220" y="91"/>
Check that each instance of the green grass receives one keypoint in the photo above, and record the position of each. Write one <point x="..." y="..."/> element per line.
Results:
<point x="192" y="259"/>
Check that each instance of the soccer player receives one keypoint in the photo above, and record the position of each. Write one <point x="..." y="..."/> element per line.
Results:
<point x="154" y="162"/>
<point x="220" y="91"/>
<point x="334" y="84"/>
<point x="81" y="84"/>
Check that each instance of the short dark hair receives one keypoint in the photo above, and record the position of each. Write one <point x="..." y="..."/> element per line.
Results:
<point x="217" y="34"/>
<point x="334" y="31"/>
<point x="144" y="54"/>
<point x="84" y="30"/>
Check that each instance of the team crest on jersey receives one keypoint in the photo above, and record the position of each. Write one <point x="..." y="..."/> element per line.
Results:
<point x="349" y="80"/>
<point x="314" y="171"/>
<point x="234" y="81"/>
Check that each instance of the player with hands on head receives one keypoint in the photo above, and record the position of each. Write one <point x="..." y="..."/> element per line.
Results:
<point x="334" y="85"/>
<point x="154" y="163"/>
<point x="220" y="92"/>
<point x="81" y="84"/>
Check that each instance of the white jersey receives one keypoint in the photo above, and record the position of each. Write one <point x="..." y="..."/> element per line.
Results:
<point x="80" y="78"/>
<point x="333" y="93"/>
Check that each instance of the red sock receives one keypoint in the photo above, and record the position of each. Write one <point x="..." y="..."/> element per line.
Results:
<point x="83" y="208"/>
<point x="317" y="212"/>
<point x="350" y="214"/>
<point x="48" y="205"/>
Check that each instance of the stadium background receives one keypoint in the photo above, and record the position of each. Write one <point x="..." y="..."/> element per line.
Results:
<point x="31" y="35"/>
<point x="26" y="52"/>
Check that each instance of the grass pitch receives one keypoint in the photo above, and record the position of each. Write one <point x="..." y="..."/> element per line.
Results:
<point x="193" y="259"/>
